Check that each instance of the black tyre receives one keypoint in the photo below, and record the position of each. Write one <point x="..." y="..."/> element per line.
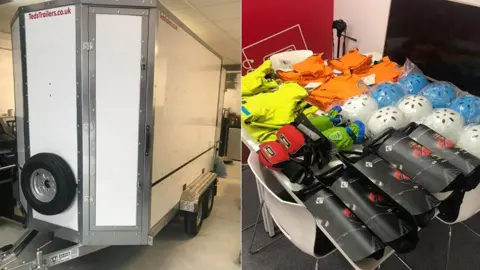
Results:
<point x="48" y="183"/>
<point x="208" y="201"/>
<point x="193" y="221"/>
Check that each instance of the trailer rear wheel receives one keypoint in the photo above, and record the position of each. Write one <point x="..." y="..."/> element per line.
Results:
<point x="209" y="200"/>
<point x="193" y="220"/>
<point x="48" y="183"/>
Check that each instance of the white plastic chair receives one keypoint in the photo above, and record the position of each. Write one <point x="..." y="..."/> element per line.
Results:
<point x="469" y="207"/>
<point x="294" y="220"/>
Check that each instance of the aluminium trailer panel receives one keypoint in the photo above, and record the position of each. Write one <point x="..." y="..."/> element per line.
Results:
<point x="185" y="112"/>
<point x="76" y="76"/>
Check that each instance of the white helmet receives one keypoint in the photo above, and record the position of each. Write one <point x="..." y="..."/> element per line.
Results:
<point x="415" y="107"/>
<point x="447" y="122"/>
<point x="386" y="117"/>
<point x="359" y="108"/>
<point x="470" y="140"/>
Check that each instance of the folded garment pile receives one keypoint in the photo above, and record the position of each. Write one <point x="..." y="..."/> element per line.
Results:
<point x="272" y="96"/>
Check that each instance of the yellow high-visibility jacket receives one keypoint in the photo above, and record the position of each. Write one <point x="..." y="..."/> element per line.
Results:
<point x="255" y="81"/>
<point x="263" y="114"/>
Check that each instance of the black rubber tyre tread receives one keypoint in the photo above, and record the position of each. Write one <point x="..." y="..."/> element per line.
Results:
<point x="190" y="220"/>
<point x="64" y="178"/>
<point x="208" y="210"/>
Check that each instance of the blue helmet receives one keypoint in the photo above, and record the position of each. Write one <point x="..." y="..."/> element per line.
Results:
<point x="468" y="107"/>
<point x="439" y="93"/>
<point x="413" y="83"/>
<point x="387" y="94"/>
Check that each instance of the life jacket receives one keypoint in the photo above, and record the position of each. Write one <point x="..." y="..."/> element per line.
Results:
<point x="312" y="69"/>
<point x="385" y="71"/>
<point x="352" y="62"/>
<point x="336" y="91"/>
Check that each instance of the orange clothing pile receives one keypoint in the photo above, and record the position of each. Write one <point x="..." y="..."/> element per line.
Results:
<point x="385" y="71"/>
<point x="335" y="89"/>
<point x="312" y="69"/>
<point x="352" y="62"/>
<point x="338" y="89"/>
<point x="357" y="63"/>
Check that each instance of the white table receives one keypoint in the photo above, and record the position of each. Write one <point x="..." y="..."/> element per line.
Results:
<point x="291" y="188"/>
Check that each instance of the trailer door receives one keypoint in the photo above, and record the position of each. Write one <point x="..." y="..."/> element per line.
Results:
<point x="118" y="131"/>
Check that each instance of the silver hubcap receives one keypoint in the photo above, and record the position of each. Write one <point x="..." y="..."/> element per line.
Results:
<point x="43" y="185"/>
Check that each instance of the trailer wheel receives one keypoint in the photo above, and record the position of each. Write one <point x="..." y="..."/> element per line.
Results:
<point x="48" y="183"/>
<point x="208" y="201"/>
<point x="193" y="220"/>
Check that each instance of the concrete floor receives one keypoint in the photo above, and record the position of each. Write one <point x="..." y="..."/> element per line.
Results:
<point x="217" y="246"/>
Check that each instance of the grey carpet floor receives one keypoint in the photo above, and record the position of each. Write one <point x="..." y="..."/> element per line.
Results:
<point x="430" y="253"/>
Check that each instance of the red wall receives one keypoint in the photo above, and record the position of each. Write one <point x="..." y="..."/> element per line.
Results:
<point x="262" y="19"/>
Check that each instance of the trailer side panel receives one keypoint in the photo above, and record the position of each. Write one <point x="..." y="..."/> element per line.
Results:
<point x="187" y="76"/>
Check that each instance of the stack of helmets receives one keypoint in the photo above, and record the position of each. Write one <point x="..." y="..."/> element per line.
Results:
<point x="359" y="108"/>
<point x="387" y="117"/>
<point x="470" y="139"/>
<point x="468" y="107"/>
<point x="447" y="122"/>
<point x="387" y="94"/>
<point x="413" y="83"/>
<point x="415" y="108"/>
<point x="441" y="94"/>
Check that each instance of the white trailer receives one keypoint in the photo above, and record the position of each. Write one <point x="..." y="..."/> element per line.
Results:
<point x="117" y="111"/>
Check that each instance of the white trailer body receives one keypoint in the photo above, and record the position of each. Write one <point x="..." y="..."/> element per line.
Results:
<point x="128" y="97"/>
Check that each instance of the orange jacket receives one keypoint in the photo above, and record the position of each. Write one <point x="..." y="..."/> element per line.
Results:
<point x="352" y="62"/>
<point x="337" y="90"/>
<point x="385" y="71"/>
<point x="312" y="69"/>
